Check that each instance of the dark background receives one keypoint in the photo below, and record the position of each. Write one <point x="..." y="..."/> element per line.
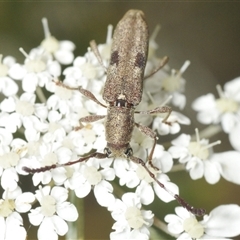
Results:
<point x="206" y="33"/>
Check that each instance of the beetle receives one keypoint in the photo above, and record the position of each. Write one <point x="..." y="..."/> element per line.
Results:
<point x="122" y="93"/>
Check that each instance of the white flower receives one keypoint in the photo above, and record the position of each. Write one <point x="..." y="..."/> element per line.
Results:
<point x="11" y="222"/>
<point x="131" y="221"/>
<point x="87" y="73"/>
<point x="9" y="159"/>
<point x="169" y="85"/>
<point x="15" y="201"/>
<point x="221" y="223"/>
<point x="175" y="85"/>
<point x="162" y="160"/>
<point x="66" y="101"/>
<point x="172" y="124"/>
<point x="224" y="110"/>
<point x="90" y="176"/>
<point x="40" y="69"/>
<point x="18" y="110"/>
<point x="201" y="161"/>
<point x="53" y="212"/>
<point x="62" y="50"/>
<point x="54" y="129"/>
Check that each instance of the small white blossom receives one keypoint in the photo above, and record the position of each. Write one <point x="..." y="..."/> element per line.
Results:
<point x="53" y="212"/>
<point x="62" y="50"/>
<point x="162" y="162"/>
<point x="222" y="223"/>
<point x="200" y="160"/>
<point x="169" y="85"/>
<point x="11" y="222"/>
<point x="224" y="110"/>
<point x="66" y="101"/>
<point x="9" y="160"/>
<point x="18" y="110"/>
<point x="90" y="176"/>
<point x="40" y="69"/>
<point x="172" y="124"/>
<point x="131" y="221"/>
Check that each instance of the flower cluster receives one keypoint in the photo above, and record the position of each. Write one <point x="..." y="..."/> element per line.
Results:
<point x="40" y="128"/>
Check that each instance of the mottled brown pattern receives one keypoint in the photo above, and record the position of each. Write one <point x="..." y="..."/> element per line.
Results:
<point x="114" y="58"/>
<point x="130" y="41"/>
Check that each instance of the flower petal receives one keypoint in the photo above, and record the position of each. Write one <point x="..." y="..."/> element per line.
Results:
<point x="223" y="221"/>
<point x="67" y="211"/>
<point x="230" y="164"/>
<point x="103" y="193"/>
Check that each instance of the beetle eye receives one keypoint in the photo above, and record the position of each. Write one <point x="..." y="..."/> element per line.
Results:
<point x="128" y="152"/>
<point x="108" y="152"/>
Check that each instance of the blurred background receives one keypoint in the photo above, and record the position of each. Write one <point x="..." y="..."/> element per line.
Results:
<point x="207" y="34"/>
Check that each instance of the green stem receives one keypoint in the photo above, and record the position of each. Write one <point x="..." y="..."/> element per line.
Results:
<point x="209" y="131"/>
<point x="41" y="95"/>
<point x="76" y="229"/>
<point x="161" y="225"/>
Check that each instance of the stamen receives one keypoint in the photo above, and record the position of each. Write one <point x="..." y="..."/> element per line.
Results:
<point x="24" y="53"/>
<point x="167" y="100"/>
<point x="155" y="33"/>
<point x="200" y="150"/>
<point x="88" y="55"/>
<point x="163" y="103"/>
<point x="211" y="144"/>
<point x="184" y="67"/>
<point x="46" y="28"/>
<point x="197" y="135"/>
<point x="220" y="91"/>
<point x="50" y="43"/>
<point x="109" y="34"/>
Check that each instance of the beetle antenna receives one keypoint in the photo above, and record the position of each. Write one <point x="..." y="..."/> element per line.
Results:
<point x="181" y="201"/>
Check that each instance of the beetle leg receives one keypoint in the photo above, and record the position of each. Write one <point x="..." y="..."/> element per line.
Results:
<point x="88" y="119"/>
<point x="150" y="133"/>
<point x="83" y="91"/>
<point x="96" y="52"/>
<point x="162" y="109"/>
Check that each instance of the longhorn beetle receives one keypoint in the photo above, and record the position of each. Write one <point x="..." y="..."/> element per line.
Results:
<point x="123" y="92"/>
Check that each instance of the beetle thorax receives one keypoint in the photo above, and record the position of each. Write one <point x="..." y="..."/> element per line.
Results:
<point x="119" y="126"/>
